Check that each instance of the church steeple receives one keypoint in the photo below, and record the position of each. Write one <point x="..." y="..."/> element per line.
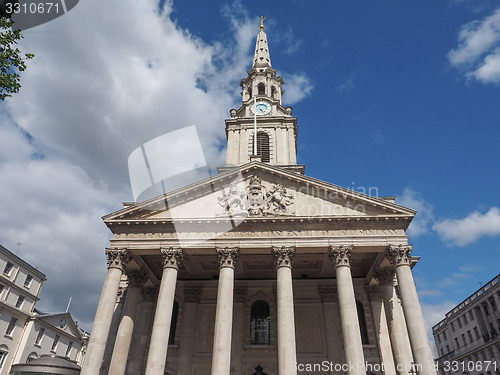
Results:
<point x="276" y="127"/>
<point x="261" y="56"/>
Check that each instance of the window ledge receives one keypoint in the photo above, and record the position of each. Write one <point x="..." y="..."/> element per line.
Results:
<point x="272" y="346"/>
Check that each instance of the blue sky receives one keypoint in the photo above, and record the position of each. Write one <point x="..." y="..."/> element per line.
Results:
<point x="401" y="96"/>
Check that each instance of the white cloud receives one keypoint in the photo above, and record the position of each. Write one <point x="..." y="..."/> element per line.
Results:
<point x="479" y="49"/>
<point x="297" y="87"/>
<point x="103" y="83"/>
<point x="424" y="217"/>
<point x="464" y="231"/>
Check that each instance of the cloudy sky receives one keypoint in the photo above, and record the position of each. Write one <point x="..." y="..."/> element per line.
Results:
<point x="398" y="96"/>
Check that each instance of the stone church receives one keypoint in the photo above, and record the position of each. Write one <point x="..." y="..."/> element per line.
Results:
<point x="260" y="269"/>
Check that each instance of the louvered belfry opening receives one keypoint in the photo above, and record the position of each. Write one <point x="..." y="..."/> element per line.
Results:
<point x="263" y="147"/>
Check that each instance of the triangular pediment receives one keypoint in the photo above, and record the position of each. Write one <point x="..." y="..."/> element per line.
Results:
<point x="257" y="190"/>
<point x="62" y="321"/>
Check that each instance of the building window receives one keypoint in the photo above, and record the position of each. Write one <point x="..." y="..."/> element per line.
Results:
<point x="54" y="344"/>
<point x="463" y="339"/>
<point x="68" y="349"/>
<point x="471" y="315"/>
<point x="261" y="89"/>
<point x="438" y="339"/>
<point x="19" y="302"/>
<point x="447" y="348"/>
<point x="459" y="323"/>
<point x="2" y="287"/>
<point x="263" y="147"/>
<point x="456" y="343"/>
<point x="40" y="336"/>
<point x="260" y="321"/>
<point x="470" y="336"/>
<point x="273" y="92"/>
<point x="11" y="326"/>
<point x="362" y="323"/>
<point x="8" y="268"/>
<point x="173" y="323"/>
<point x="27" y="281"/>
<point x="3" y="357"/>
<point x="444" y="335"/>
<point x="452" y="326"/>
<point x="465" y="319"/>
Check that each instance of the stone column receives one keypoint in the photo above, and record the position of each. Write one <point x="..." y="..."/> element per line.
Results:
<point x="400" y="257"/>
<point x="192" y="297"/>
<point x="238" y="338"/>
<point x="126" y="328"/>
<point x="117" y="262"/>
<point x="329" y="299"/>
<point x="157" y="356"/>
<point x="221" y="357"/>
<point x="395" y="321"/>
<point x="341" y="258"/>
<point x="383" y="338"/>
<point x="287" y="356"/>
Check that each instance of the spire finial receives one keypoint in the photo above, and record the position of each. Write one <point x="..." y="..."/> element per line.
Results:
<point x="262" y="18"/>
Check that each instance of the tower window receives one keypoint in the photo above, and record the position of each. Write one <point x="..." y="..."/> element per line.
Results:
<point x="261" y="89"/>
<point x="259" y="323"/>
<point x="173" y="323"/>
<point x="263" y="147"/>
<point x="362" y="323"/>
<point x="273" y="92"/>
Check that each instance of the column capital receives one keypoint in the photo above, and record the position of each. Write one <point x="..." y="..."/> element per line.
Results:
<point x="117" y="258"/>
<point x="192" y="294"/>
<point x="328" y="293"/>
<point x="374" y="292"/>
<point x="341" y="255"/>
<point x="283" y="256"/>
<point x="137" y="277"/>
<point x="384" y="276"/>
<point x="172" y="257"/>
<point x="227" y="256"/>
<point x="399" y="255"/>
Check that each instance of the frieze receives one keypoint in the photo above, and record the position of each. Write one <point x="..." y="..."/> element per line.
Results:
<point x="267" y="233"/>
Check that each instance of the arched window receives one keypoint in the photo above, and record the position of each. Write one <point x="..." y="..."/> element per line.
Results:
<point x="263" y="146"/>
<point x="31" y="356"/>
<point x="4" y="352"/>
<point x="259" y="323"/>
<point x="362" y="323"/>
<point x="249" y="91"/>
<point x="173" y="323"/>
<point x="261" y="89"/>
<point x="273" y="92"/>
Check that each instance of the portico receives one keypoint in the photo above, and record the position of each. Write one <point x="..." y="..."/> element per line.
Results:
<point x="259" y="265"/>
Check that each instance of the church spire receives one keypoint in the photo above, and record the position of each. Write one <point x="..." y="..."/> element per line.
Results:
<point x="261" y="56"/>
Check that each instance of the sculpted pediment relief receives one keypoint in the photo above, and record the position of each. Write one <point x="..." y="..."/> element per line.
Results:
<point x="258" y="190"/>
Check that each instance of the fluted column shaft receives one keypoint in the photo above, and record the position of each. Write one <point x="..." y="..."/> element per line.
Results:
<point x="341" y="257"/>
<point x="287" y="356"/>
<point x="158" y="346"/>
<point x="117" y="262"/>
<point x="395" y="321"/>
<point x="221" y="357"/>
<point x="126" y="328"/>
<point x="400" y="257"/>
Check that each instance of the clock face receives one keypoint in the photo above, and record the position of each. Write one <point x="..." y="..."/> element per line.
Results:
<point x="261" y="108"/>
<point x="62" y="322"/>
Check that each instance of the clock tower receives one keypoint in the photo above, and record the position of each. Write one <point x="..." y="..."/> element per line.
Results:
<point x="262" y="113"/>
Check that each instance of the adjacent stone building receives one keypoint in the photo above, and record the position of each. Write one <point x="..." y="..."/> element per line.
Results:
<point x="26" y="333"/>
<point x="260" y="269"/>
<point x="468" y="338"/>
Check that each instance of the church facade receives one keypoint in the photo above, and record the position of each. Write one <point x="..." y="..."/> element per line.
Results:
<point x="260" y="269"/>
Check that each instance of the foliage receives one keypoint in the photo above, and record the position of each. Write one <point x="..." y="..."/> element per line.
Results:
<point x="11" y="60"/>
